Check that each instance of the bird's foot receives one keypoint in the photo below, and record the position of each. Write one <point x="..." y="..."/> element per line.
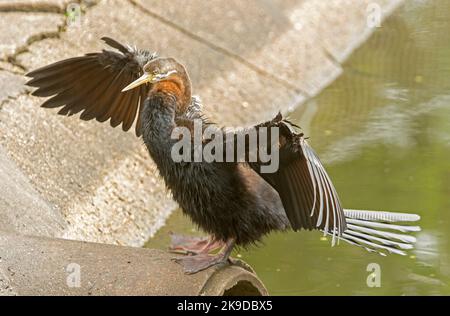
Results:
<point x="193" y="245"/>
<point x="200" y="262"/>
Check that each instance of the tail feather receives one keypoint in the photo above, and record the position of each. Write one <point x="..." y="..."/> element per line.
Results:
<point x="382" y="241"/>
<point x="377" y="216"/>
<point x="389" y="235"/>
<point x="381" y="232"/>
<point x="381" y="226"/>
<point x="371" y="245"/>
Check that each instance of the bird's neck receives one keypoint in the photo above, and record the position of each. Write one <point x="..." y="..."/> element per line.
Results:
<point x="159" y="113"/>
<point x="179" y="88"/>
<point x="158" y="122"/>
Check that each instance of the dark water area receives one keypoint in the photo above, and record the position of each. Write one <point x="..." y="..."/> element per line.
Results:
<point x="383" y="132"/>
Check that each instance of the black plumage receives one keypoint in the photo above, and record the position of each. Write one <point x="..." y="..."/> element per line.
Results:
<point x="232" y="201"/>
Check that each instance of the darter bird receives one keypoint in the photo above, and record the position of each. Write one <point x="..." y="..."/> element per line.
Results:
<point x="234" y="202"/>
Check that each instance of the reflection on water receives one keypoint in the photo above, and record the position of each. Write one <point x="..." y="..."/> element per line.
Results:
<point x="383" y="130"/>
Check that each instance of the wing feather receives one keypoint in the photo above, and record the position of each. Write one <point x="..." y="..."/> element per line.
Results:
<point x="306" y="191"/>
<point x="93" y="83"/>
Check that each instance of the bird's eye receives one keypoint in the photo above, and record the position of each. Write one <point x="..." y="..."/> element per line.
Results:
<point x="155" y="72"/>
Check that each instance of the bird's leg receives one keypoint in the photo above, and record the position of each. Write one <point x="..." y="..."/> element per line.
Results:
<point x="202" y="261"/>
<point x="194" y="245"/>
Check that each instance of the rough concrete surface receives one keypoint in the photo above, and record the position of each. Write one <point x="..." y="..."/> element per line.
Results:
<point x="19" y="195"/>
<point x="48" y="266"/>
<point x="12" y="84"/>
<point x="247" y="60"/>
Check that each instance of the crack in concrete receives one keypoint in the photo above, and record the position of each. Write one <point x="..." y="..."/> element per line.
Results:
<point x="42" y="8"/>
<point x="31" y="8"/>
<point x="220" y="49"/>
<point x="12" y="59"/>
<point x="11" y="98"/>
<point x="15" y="72"/>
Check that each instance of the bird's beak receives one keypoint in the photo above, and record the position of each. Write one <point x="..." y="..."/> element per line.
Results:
<point x="148" y="78"/>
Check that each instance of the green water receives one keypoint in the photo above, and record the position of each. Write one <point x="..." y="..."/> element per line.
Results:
<point x="383" y="131"/>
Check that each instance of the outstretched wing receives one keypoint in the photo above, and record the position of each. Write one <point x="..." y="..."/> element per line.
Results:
<point x="93" y="84"/>
<point x="306" y="191"/>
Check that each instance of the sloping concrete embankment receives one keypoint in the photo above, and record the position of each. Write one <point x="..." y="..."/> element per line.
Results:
<point x="62" y="177"/>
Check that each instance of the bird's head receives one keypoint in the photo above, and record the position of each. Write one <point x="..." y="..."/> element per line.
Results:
<point x="168" y="76"/>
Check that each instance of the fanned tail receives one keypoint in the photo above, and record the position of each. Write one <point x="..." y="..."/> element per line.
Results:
<point x="381" y="232"/>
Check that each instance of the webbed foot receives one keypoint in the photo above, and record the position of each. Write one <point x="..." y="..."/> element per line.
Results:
<point x="203" y="261"/>
<point x="193" y="245"/>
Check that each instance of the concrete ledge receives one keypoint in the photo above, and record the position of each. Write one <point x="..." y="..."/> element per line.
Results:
<point x="47" y="266"/>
